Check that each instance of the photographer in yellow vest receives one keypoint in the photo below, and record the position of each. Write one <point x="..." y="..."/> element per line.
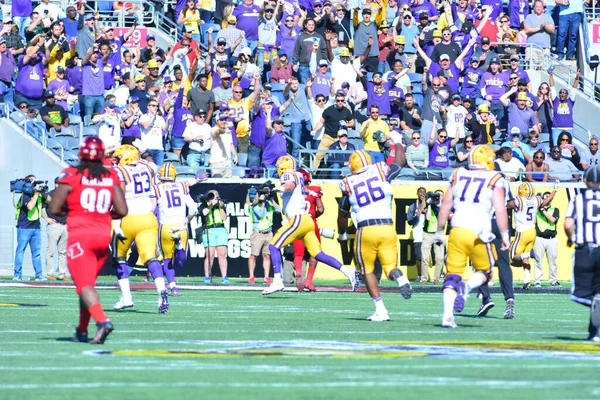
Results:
<point x="214" y="235"/>
<point x="546" y="243"/>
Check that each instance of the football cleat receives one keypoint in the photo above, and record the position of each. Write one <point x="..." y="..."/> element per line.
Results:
<point x="593" y="339"/>
<point x="175" y="291"/>
<point x="354" y="280"/>
<point x="462" y="296"/>
<point x="534" y="256"/>
<point x="80" y="336"/>
<point x="555" y="284"/>
<point x="485" y="307"/>
<point x="276" y="286"/>
<point x="163" y="307"/>
<point x="527" y="286"/>
<point x="123" y="304"/>
<point x="595" y="316"/>
<point x="104" y="329"/>
<point x="300" y="284"/>
<point x="379" y="316"/>
<point x="510" y="309"/>
<point x="449" y="323"/>
<point x="405" y="288"/>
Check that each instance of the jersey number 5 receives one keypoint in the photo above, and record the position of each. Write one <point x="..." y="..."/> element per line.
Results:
<point x="99" y="202"/>
<point x="368" y="191"/>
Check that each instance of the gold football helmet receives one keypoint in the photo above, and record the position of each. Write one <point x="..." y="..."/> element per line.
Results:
<point x="482" y="157"/>
<point x="525" y="190"/>
<point x="285" y="164"/>
<point x="359" y="160"/>
<point x="167" y="172"/>
<point x="127" y="154"/>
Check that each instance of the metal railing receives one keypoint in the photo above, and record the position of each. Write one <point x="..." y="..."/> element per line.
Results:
<point x="144" y="12"/>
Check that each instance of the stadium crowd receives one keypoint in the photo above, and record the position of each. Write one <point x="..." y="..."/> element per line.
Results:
<point x="436" y="77"/>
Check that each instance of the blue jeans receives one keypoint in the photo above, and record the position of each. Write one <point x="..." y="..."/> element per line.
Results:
<point x="376" y="156"/>
<point x="33" y="238"/>
<point x="197" y="160"/>
<point x="92" y="104"/>
<point x="497" y="109"/>
<point x="22" y="23"/>
<point x="253" y="44"/>
<point x="303" y="73"/>
<point x="158" y="156"/>
<point x="568" y="26"/>
<point x="254" y="156"/>
<point x="34" y="104"/>
<point x="8" y="92"/>
<point x="300" y="132"/>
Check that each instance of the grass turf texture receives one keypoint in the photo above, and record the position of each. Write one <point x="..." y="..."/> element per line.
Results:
<point x="210" y="344"/>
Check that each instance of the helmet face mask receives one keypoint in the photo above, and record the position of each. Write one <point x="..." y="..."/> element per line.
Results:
<point x="482" y="157"/>
<point x="127" y="154"/>
<point x="285" y="164"/>
<point x="359" y="160"/>
<point x="525" y="190"/>
<point x="167" y="172"/>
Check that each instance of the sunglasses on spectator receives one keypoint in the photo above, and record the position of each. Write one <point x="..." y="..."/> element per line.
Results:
<point x="152" y="105"/>
<point x="26" y="106"/>
<point x="591" y="144"/>
<point x="562" y="92"/>
<point x="393" y="123"/>
<point x="320" y="100"/>
<point x="416" y="137"/>
<point x="442" y="136"/>
<point x="468" y="141"/>
<point x="406" y="9"/>
<point x="434" y="85"/>
<point x="446" y="34"/>
<point x="512" y="78"/>
<point x="153" y="69"/>
<point x="407" y="17"/>
<point x="374" y="112"/>
<point x="555" y="151"/>
<point x="237" y="91"/>
<point x="539" y="157"/>
<point x="564" y="139"/>
<point x="185" y="44"/>
<point x="340" y="100"/>
<point x="504" y="21"/>
<point x="289" y="20"/>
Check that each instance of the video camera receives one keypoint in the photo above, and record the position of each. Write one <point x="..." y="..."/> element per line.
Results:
<point x="266" y="190"/>
<point x="433" y="198"/>
<point x="210" y="196"/>
<point x="28" y="187"/>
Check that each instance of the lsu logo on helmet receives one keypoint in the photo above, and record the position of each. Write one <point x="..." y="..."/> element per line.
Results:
<point x="167" y="172"/>
<point x="525" y="190"/>
<point x="482" y="157"/>
<point x="127" y="154"/>
<point x="359" y="160"/>
<point x="285" y="164"/>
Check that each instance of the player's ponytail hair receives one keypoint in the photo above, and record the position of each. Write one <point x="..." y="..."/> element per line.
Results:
<point x="95" y="169"/>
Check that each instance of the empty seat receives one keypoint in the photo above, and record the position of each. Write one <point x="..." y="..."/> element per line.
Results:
<point x="89" y="131"/>
<point x="238" y="171"/>
<point x="242" y="159"/>
<point x="171" y="157"/>
<point x="358" y="143"/>
<point x="544" y="138"/>
<point x="69" y="143"/>
<point x="185" y="172"/>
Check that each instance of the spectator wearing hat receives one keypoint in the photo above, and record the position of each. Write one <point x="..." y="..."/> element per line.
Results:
<point x="520" y="150"/>
<point x="247" y="15"/>
<point x="569" y="20"/>
<point x="188" y="45"/>
<point x="152" y="128"/>
<point x="154" y="81"/>
<point x="447" y="47"/>
<point x="7" y="70"/>
<point x="109" y="125"/>
<point x="561" y="168"/>
<point x="397" y="52"/>
<point x="87" y="31"/>
<point x="343" y="67"/>
<point x="515" y="68"/>
<point x="519" y="115"/>
<point x="563" y="106"/>
<point x="288" y="31"/>
<point x="240" y="111"/>
<point x="486" y="25"/>
<point x="322" y="81"/>
<point x="365" y="40"/>
<point x="258" y="123"/>
<point x="385" y="41"/>
<point x="276" y="144"/>
<point x="235" y="38"/>
<point x="309" y="42"/>
<point x="378" y="91"/>
<point x="130" y="121"/>
<point x="539" y="28"/>
<point x="224" y="92"/>
<point x="29" y="86"/>
<point x="152" y="51"/>
<point x="281" y="69"/>
<point x="456" y="115"/>
<point x="93" y="81"/>
<point x="219" y="54"/>
<point x="471" y="80"/>
<point x="482" y="125"/>
<point x="485" y="54"/>
<point x="337" y="161"/>
<point x="14" y="41"/>
<point x="222" y="149"/>
<point x="341" y="25"/>
<point x="532" y="101"/>
<point x="493" y="86"/>
<point x="433" y="102"/>
<point x="197" y="134"/>
<point x="409" y="29"/>
<point x="190" y="18"/>
<point x="54" y="115"/>
<point x="322" y="16"/>
<point x="267" y="27"/>
<point x="61" y="87"/>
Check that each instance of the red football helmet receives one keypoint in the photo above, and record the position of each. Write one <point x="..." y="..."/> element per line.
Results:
<point x="92" y="148"/>
<point x="305" y="174"/>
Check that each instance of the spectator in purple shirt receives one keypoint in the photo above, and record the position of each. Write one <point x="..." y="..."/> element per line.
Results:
<point x="424" y="6"/>
<point x="518" y="10"/>
<point x="20" y="12"/>
<point x="7" y="70"/>
<point x="30" y="81"/>
<point x="563" y="107"/>
<point x="61" y="88"/>
<point x="93" y="82"/>
<point x="117" y="43"/>
<point x="276" y="145"/>
<point x="493" y="85"/>
<point x="247" y="20"/>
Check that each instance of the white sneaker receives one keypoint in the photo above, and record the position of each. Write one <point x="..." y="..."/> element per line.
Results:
<point x="381" y="316"/>
<point x="123" y="304"/>
<point x="176" y="236"/>
<point x="276" y="286"/>
<point x="449" y="323"/>
<point x="352" y="275"/>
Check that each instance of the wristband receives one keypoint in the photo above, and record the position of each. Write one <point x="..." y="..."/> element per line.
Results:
<point x="505" y="236"/>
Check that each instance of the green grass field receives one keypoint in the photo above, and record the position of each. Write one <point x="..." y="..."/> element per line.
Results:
<point x="240" y="345"/>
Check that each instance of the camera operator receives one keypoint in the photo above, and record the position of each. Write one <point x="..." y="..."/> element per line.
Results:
<point x="416" y="219"/>
<point x="432" y="209"/>
<point x="214" y="235"/>
<point x="262" y="207"/>
<point x="57" y="241"/>
<point x="29" y="210"/>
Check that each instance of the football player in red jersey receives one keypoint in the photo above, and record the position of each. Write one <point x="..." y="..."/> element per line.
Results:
<point x="315" y="208"/>
<point x="90" y="195"/>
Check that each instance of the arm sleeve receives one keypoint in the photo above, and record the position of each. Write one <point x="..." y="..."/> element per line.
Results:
<point x="394" y="171"/>
<point x="345" y="204"/>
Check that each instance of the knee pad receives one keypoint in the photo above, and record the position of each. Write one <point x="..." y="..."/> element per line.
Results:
<point x="150" y="261"/>
<point x="121" y="260"/>
<point x="452" y="281"/>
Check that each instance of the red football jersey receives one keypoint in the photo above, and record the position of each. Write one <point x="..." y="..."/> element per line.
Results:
<point x="311" y="201"/>
<point x="89" y="202"/>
